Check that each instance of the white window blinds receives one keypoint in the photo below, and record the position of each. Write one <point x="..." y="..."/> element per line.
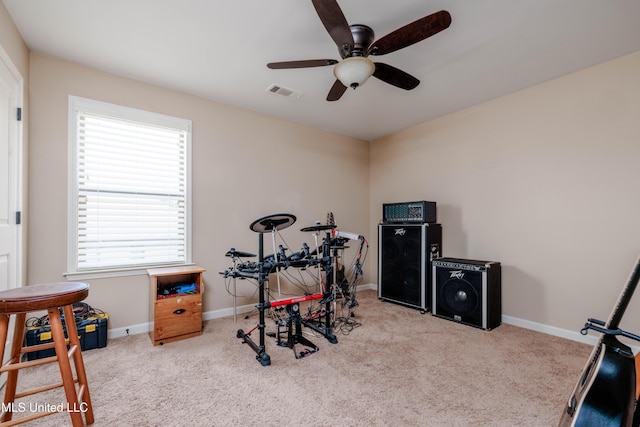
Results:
<point x="132" y="191"/>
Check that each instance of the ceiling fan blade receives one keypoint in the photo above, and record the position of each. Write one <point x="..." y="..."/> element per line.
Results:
<point x="336" y="24"/>
<point x="301" y="64"/>
<point x="411" y="33"/>
<point x="336" y="91"/>
<point x="395" y="76"/>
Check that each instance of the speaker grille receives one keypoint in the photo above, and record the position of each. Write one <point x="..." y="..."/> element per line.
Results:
<point x="404" y="264"/>
<point x="459" y="296"/>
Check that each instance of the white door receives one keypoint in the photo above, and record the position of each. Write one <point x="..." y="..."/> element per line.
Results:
<point x="10" y="235"/>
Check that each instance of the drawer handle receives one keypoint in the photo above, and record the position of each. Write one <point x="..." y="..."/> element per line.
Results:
<point x="179" y="311"/>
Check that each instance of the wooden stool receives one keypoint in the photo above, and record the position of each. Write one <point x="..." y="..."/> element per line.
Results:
<point x="50" y="297"/>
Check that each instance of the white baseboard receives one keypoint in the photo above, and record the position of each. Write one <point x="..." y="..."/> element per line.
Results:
<point x="369" y="287"/>
<point x="144" y="328"/>
<point x="551" y="330"/>
<point x="141" y="328"/>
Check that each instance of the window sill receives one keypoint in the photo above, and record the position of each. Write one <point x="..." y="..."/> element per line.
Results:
<point x="105" y="274"/>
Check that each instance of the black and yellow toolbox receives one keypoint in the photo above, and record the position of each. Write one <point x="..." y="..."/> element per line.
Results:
<point x="91" y="325"/>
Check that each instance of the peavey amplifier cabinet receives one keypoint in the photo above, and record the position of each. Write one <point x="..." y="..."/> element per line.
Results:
<point x="404" y="262"/>
<point x="467" y="291"/>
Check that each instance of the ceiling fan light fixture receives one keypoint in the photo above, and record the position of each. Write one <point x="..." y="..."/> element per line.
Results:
<point x="354" y="71"/>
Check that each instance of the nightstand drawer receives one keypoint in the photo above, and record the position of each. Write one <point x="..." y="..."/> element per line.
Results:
<point x="177" y="316"/>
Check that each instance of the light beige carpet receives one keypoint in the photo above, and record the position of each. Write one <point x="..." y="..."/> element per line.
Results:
<point x="399" y="368"/>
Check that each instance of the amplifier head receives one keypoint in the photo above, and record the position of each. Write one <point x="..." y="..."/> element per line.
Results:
<point x="409" y="212"/>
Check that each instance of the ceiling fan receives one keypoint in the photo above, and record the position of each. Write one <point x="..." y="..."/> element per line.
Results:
<point x="356" y="42"/>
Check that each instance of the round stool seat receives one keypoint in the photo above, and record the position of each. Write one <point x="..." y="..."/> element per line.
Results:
<point x="57" y="299"/>
<point x="42" y="297"/>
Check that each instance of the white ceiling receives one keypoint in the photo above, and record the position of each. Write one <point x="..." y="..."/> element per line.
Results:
<point x="219" y="50"/>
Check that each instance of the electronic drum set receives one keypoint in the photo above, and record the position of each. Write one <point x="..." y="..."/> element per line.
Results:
<point x="332" y="285"/>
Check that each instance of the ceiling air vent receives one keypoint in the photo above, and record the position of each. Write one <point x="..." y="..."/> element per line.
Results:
<point x="283" y="91"/>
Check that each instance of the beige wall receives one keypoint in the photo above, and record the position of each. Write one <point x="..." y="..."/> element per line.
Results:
<point x="245" y="166"/>
<point x="546" y="181"/>
<point x="12" y="42"/>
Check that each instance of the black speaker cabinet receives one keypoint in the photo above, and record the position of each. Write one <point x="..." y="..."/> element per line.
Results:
<point x="405" y="252"/>
<point x="468" y="291"/>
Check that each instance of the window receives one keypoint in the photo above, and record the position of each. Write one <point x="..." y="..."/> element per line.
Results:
<point x="129" y="185"/>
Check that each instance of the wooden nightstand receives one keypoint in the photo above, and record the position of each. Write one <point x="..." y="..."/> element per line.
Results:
<point x="175" y="303"/>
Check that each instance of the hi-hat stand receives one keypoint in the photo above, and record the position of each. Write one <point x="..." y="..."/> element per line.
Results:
<point x="274" y="223"/>
<point x="235" y="256"/>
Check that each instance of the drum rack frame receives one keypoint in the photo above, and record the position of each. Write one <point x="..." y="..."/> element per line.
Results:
<point x="321" y="324"/>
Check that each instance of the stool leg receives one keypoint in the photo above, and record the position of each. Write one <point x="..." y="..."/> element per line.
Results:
<point x="85" y="398"/>
<point x="12" y="375"/>
<point x="4" y="329"/>
<point x="57" y="333"/>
